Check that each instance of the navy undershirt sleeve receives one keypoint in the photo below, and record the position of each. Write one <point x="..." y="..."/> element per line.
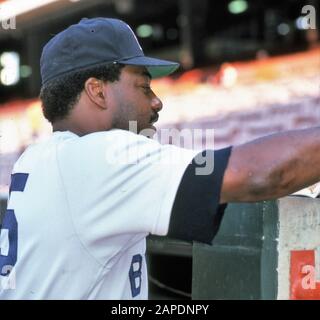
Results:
<point x="196" y="213"/>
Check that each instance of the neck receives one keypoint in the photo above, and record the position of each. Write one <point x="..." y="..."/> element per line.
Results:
<point x="83" y="119"/>
<point x="63" y="126"/>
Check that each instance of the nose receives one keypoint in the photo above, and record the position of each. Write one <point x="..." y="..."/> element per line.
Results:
<point x="156" y="104"/>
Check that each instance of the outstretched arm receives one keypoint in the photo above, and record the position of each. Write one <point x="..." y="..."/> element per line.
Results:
<point x="272" y="166"/>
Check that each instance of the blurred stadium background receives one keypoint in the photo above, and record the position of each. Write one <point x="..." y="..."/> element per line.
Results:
<point x="248" y="68"/>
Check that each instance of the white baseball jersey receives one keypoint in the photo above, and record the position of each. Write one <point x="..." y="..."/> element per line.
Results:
<point x="79" y="211"/>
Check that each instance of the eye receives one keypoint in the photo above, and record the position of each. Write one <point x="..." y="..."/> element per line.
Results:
<point x="147" y="89"/>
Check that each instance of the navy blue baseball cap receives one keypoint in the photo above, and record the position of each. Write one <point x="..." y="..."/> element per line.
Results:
<point x="95" y="42"/>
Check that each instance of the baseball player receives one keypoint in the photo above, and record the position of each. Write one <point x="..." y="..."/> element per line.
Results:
<point x="82" y="203"/>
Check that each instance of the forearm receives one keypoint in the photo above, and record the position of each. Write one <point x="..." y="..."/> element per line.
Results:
<point x="273" y="166"/>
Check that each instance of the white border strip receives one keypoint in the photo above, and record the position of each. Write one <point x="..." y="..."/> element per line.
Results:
<point x="317" y="263"/>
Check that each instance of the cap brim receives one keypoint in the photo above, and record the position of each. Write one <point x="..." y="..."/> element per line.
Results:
<point x="157" y="68"/>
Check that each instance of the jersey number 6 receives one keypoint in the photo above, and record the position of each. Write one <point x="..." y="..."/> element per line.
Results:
<point x="9" y="229"/>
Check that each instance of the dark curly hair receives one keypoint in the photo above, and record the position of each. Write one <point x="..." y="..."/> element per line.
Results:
<point x="60" y="95"/>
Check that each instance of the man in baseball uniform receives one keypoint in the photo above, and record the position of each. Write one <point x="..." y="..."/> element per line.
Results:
<point x="82" y="203"/>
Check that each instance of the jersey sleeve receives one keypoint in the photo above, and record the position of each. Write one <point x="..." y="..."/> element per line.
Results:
<point x="196" y="213"/>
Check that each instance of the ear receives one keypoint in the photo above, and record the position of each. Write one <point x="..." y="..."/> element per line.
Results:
<point x="94" y="89"/>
